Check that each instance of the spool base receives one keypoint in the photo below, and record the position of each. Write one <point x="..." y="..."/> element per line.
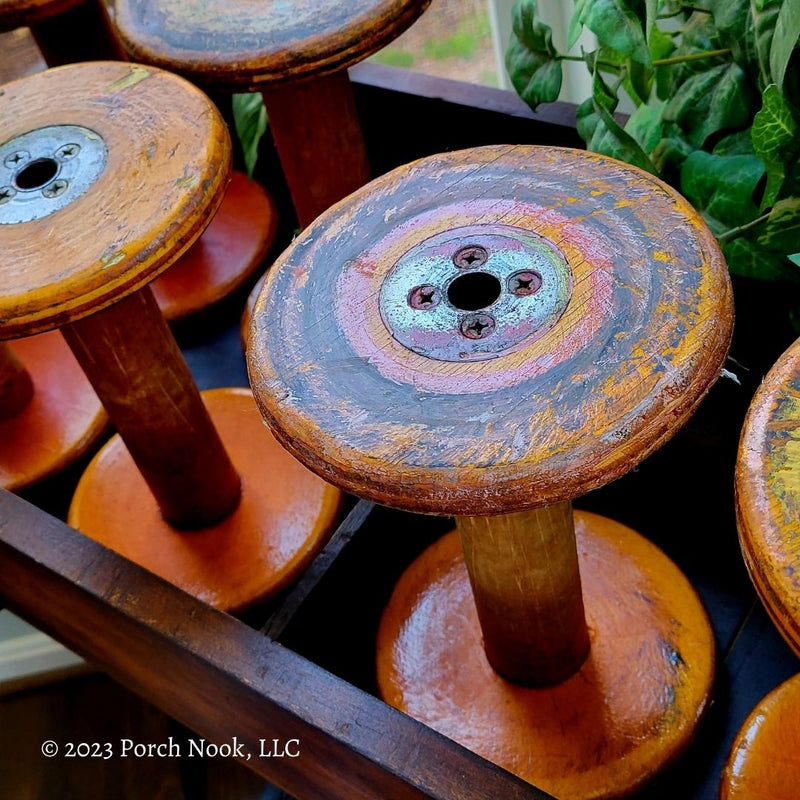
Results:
<point x="631" y="708"/>
<point x="765" y="758"/>
<point x="61" y="422"/>
<point x="225" y="257"/>
<point x="285" y="515"/>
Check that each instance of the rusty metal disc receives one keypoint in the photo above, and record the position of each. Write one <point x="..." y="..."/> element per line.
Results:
<point x="491" y="330"/>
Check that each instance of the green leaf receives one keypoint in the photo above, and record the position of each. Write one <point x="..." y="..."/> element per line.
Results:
<point x="606" y="134"/>
<point x="711" y="101"/>
<point x="722" y="188"/>
<point x="735" y="144"/>
<point x="794" y="258"/>
<point x="787" y="32"/>
<point x="775" y="140"/>
<point x="575" y="23"/>
<point x="782" y="229"/>
<point x="531" y="60"/>
<point x="765" y="16"/>
<point x="670" y="153"/>
<point x="646" y="127"/>
<point x="615" y="25"/>
<point x="750" y="260"/>
<point x="250" y="119"/>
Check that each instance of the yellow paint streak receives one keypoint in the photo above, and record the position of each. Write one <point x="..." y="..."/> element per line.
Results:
<point x="136" y="75"/>
<point x="113" y="258"/>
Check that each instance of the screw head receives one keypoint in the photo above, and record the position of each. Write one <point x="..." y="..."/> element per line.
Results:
<point x="524" y="283"/>
<point x="55" y="188"/>
<point x="477" y="326"/>
<point x="16" y="159"/>
<point x="67" y="151"/>
<point x="471" y="256"/>
<point x="6" y="193"/>
<point x="424" y="297"/>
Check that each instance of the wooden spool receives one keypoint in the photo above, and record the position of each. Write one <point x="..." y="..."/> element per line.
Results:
<point x="132" y="162"/>
<point x="232" y="249"/>
<point x="297" y="55"/>
<point x="767" y="498"/>
<point x="489" y="334"/>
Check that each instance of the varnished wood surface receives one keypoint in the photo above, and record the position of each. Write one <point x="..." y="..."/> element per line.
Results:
<point x="768" y="494"/>
<point x="20" y="13"/>
<point x="95" y="707"/>
<point x="523" y="571"/>
<point x="645" y="331"/>
<point x="318" y="137"/>
<point x="166" y="173"/>
<point x="765" y="758"/>
<point x="633" y="706"/>
<point x="225" y="258"/>
<point x="285" y="514"/>
<point x="16" y="386"/>
<point x="234" y="44"/>
<point x="187" y="658"/>
<point x="62" y="421"/>
<point x="137" y="370"/>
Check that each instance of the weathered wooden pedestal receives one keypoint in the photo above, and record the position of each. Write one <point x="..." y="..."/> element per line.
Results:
<point x="489" y="334"/>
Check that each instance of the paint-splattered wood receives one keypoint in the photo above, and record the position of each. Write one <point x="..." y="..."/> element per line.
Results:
<point x="223" y="679"/>
<point x="768" y="493"/>
<point x="764" y="763"/>
<point x="237" y="44"/>
<point x="491" y="330"/>
<point x="166" y="152"/>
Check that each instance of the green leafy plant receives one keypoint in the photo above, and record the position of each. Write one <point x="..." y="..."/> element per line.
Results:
<point x="715" y="89"/>
<point x="250" y="119"/>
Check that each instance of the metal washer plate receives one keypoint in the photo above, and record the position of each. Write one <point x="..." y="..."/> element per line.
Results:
<point x="436" y="331"/>
<point x="77" y="155"/>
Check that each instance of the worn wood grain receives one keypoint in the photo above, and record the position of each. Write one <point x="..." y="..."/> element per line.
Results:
<point x="237" y="45"/>
<point x="167" y="169"/>
<point x="316" y="130"/>
<point x="168" y="647"/>
<point x="632" y="707"/>
<point x="138" y="372"/>
<point x="62" y="420"/>
<point x="768" y="493"/>
<point x="644" y="333"/>
<point x="523" y="570"/>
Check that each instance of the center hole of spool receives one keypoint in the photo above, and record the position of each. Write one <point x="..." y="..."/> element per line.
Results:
<point x="36" y="174"/>
<point x="473" y="291"/>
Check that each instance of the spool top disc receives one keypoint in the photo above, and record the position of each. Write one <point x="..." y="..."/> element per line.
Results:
<point x="108" y="172"/>
<point x="491" y="330"/>
<point x="768" y="493"/>
<point x="234" y="44"/>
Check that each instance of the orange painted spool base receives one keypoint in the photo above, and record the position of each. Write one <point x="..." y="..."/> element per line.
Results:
<point x="227" y="255"/>
<point x="631" y="708"/>
<point x="285" y="515"/>
<point x="765" y="758"/>
<point x="60" y="423"/>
